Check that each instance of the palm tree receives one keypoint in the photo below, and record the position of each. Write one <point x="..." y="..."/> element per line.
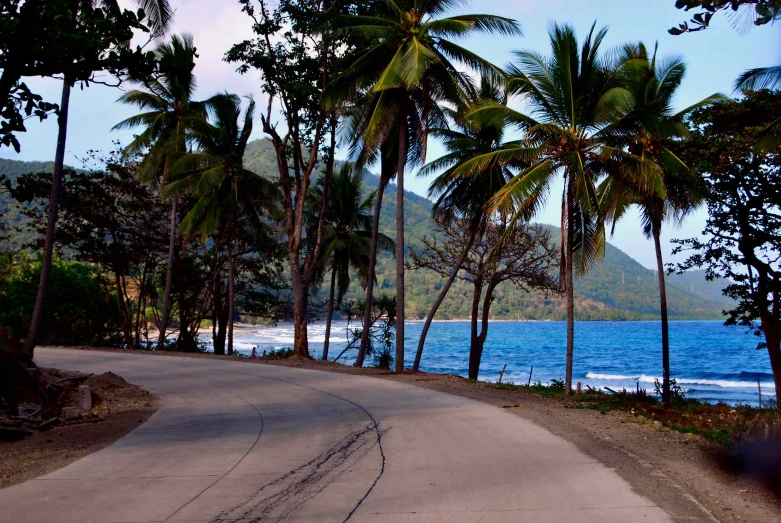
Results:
<point x="653" y="85"/>
<point x="160" y="16"/>
<point x="224" y="190"/>
<point x="404" y="95"/>
<point x="576" y="100"/>
<point x="347" y="236"/>
<point x="169" y="116"/>
<point x="465" y="197"/>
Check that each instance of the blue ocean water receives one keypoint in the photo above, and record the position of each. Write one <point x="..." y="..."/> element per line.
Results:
<point x="710" y="362"/>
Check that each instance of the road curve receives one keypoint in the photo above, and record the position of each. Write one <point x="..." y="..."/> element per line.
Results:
<point x="237" y="442"/>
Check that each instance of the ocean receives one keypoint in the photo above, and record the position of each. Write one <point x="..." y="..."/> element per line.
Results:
<point x="709" y="361"/>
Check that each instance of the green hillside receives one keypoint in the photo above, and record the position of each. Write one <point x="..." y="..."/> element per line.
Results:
<point x="618" y="288"/>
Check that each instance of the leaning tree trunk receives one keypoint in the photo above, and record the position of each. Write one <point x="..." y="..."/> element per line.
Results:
<point x="568" y="268"/>
<point x="51" y="224"/>
<point x="330" y="313"/>
<point x="231" y="295"/>
<point x="441" y="297"/>
<point x="400" y="239"/>
<point x="367" y="311"/>
<point x="665" y="327"/>
<point x="169" y="274"/>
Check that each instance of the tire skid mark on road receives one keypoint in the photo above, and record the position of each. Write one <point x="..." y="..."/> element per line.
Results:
<point x="373" y="426"/>
<point x="282" y="497"/>
<point x="349" y="441"/>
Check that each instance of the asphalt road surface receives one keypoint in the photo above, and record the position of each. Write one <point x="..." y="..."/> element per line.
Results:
<point x="237" y="442"/>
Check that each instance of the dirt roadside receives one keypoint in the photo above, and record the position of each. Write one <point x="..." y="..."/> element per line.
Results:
<point x="682" y="473"/>
<point x="119" y="407"/>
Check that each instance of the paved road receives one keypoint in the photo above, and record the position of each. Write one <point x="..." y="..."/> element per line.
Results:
<point x="240" y="442"/>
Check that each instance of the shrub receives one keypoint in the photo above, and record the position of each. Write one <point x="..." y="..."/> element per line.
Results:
<point x="79" y="310"/>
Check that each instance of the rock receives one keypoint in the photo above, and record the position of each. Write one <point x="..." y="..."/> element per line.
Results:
<point x="85" y="398"/>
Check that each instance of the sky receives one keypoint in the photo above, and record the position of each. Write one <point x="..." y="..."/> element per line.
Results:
<point x="715" y="57"/>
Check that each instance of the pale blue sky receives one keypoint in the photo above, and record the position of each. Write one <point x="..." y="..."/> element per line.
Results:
<point x="715" y="58"/>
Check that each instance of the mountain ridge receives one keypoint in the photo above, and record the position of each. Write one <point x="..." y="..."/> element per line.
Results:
<point x="617" y="288"/>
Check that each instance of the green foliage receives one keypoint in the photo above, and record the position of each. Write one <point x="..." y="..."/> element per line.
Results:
<point x="742" y="237"/>
<point x="79" y="309"/>
<point x="73" y="38"/>
<point x="765" y="11"/>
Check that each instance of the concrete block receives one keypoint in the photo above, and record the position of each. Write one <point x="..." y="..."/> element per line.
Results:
<point x="31" y="412"/>
<point x="85" y="398"/>
<point x="71" y="413"/>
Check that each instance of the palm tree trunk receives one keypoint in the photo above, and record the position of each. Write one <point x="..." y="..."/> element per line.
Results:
<point x="367" y="311"/>
<point x="329" y="315"/>
<point x="54" y="201"/>
<point x="665" y="326"/>
<point x="570" y="289"/>
<point x="169" y="273"/>
<point x="231" y="294"/>
<point x="402" y="122"/>
<point x="441" y="297"/>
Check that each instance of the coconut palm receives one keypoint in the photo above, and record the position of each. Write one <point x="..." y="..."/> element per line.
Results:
<point x="347" y="235"/>
<point x="464" y="197"/>
<point x="576" y="101"/>
<point x="159" y="16"/>
<point x="223" y="189"/>
<point x="405" y="91"/>
<point x="653" y="84"/>
<point x="168" y="117"/>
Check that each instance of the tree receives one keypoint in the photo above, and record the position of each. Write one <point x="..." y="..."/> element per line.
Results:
<point x="107" y="50"/>
<point x="653" y="84"/>
<point x="742" y="237"/>
<point x="760" y="12"/>
<point x="72" y="38"/>
<point x="224" y="190"/>
<point x="298" y="56"/>
<point x="347" y="236"/>
<point x="522" y="255"/>
<point x="406" y="90"/>
<point x="169" y="117"/>
<point x="578" y="100"/>
<point x="757" y="13"/>
<point x="464" y="198"/>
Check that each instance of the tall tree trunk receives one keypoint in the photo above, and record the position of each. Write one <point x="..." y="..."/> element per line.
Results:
<point x="665" y="327"/>
<point x="51" y="223"/>
<point x="329" y="315"/>
<point x="367" y="311"/>
<point x="300" y="302"/>
<point x="231" y="295"/>
<point x="773" y="341"/>
<point x="474" y="362"/>
<point x="400" y="239"/>
<point x="141" y="299"/>
<point x="441" y="297"/>
<point x="570" y="288"/>
<point x="169" y="272"/>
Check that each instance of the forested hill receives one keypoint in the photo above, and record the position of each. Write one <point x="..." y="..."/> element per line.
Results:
<point x="618" y="288"/>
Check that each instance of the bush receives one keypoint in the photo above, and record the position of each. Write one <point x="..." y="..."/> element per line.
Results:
<point x="78" y="308"/>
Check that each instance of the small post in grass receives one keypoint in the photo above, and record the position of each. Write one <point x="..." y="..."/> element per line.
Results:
<point x="501" y="374"/>
<point x="579" y="389"/>
<point x="759" y="388"/>
<point x="530" y="377"/>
